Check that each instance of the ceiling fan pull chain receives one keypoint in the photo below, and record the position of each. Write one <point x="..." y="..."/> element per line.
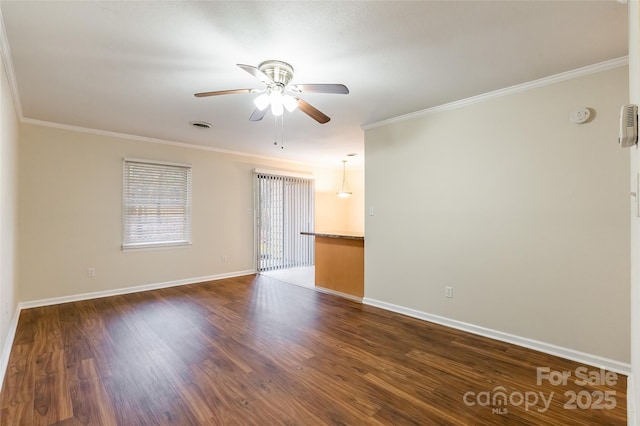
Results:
<point x="282" y="131"/>
<point x="275" y="130"/>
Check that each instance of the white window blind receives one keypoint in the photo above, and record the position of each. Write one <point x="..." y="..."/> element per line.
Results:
<point x="157" y="204"/>
<point x="285" y="207"/>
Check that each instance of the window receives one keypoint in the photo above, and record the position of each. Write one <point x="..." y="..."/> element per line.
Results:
<point x="156" y="203"/>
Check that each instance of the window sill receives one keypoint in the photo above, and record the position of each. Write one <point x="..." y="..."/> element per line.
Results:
<point x="154" y="247"/>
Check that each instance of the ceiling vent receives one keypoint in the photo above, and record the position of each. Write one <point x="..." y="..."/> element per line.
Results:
<point x="200" y="124"/>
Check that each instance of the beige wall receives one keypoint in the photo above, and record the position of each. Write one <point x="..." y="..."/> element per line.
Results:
<point x="70" y="186"/>
<point x="8" y="207"/>
<point x="634" y="97"/>
<point x="331" y="211"/>
<point x="522" y="212"/>
<point x="355" y="208"/>
<point x="340" y="214"/>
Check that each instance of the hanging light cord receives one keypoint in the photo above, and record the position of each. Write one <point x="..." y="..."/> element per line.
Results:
<point x="344" y="175"/>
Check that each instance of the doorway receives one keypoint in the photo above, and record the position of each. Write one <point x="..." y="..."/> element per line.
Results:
<point x="284" y="209"/>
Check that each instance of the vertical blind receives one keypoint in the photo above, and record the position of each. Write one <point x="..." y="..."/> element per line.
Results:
<point x="285" y="207"/>
<point x="157" y="204"/>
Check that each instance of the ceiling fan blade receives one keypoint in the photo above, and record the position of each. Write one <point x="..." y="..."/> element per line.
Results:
<point x="257" y="115"/>
<point x="223" y="92"/>
<point x="312" y="112"/>
<point x="340" y="89"/>
<point x="256" y="73"/>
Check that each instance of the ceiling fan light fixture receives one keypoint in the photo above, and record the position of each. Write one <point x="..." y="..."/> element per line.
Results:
<point x="290" y="103"/>
<point x="276" y="100"/>
<point x="262" y="102"/>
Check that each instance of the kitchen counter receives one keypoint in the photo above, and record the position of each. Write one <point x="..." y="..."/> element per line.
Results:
<point x="345" y="235"/>
<point x="339" y="260"/>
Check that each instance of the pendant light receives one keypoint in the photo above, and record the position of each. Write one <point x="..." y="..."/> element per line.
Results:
<point x="343" y="192"/>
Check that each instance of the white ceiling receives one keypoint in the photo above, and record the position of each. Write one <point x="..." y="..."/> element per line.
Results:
<point x="132" y="67"/>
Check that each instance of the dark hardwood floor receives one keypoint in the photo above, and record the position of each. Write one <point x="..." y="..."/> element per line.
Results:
<point x="256" y="351"/>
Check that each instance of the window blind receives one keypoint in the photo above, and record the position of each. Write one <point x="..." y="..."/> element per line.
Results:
<point x="285" y="207"/>
<point x="157" y="204"/>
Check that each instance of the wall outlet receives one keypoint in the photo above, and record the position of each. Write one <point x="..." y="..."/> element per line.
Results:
<point x="91" y="272"/>
<point x="448" y="292"/>
<point x="223" y="259"/>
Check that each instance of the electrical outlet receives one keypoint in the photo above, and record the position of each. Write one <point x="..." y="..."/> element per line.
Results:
<point x="91" y="272"/>
<point x="448" y="292"/>
<point x="223" y="259"/>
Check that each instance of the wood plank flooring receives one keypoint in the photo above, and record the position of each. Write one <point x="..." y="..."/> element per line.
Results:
<point x="255" y="351"/>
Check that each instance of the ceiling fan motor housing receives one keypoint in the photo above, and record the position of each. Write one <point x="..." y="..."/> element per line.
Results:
<point x="278" y="71"/>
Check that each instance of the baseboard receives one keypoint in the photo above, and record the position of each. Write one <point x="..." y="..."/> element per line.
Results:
<point x="8" y="344"/>
<point x="127" y="290"/>
<point x="632" y="417"/>
<point x="582" y="357"/>
<point x="338" y="293"/>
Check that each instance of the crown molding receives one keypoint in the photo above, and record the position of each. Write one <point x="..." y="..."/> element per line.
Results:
<point x="138" y="138"/>
<point x="545" y="81"/>
<point x="7" y="62"/>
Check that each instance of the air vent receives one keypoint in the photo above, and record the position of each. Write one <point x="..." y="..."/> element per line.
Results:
<point x="200" y="124"/>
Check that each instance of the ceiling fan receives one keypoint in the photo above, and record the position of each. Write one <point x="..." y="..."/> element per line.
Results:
<point x="279" y="94"/>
